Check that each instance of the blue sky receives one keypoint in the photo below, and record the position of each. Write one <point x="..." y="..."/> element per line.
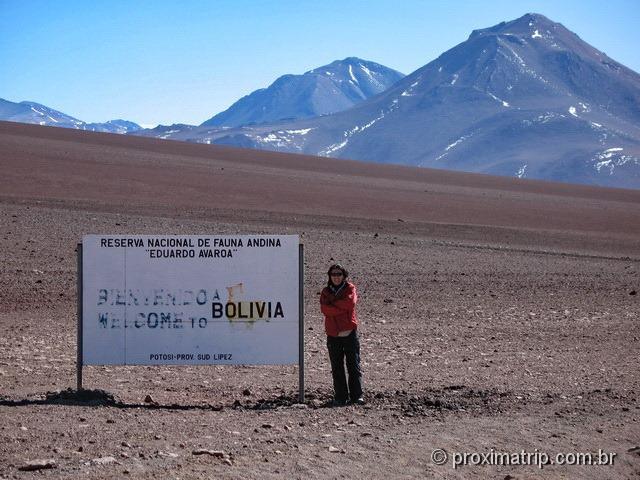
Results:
<point x="182" y="62"/>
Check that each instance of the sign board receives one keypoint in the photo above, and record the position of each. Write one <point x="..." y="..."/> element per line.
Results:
<point x="190" y="300"/>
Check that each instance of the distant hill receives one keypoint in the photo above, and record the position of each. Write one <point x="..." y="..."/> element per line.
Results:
<point x="526" y="98"/>
<point x="31" y="112"/>
<point x="321" y="91"/>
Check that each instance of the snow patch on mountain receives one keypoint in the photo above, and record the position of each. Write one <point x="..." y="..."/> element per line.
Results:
<point x="524" y="68"/>
<point x="409" y="91"/>
<point x="358" y="129"/>
<point x="353" y="77"/>
<point x="612" y="158"/>
<point x="453" y="145"/>
<point x="371" y="76"/>
<point x="284" y="138"/>
<point x="521" y="172"/>
<point x="504" y="104"/>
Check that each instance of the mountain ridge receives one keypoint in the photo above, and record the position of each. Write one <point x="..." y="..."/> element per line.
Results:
<point x="36" y="113"/>
<point x="524" y="98"/>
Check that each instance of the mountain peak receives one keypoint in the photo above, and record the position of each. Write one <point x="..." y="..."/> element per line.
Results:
<point x="321" y="91"/>
<point x="527" y="25"/>
<point x="354" y="62"/>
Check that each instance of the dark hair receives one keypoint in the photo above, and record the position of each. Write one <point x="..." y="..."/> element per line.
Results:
<point x="337" y="266"/>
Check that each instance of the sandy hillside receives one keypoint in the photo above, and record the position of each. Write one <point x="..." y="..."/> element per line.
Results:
<point x="497" y="315"/>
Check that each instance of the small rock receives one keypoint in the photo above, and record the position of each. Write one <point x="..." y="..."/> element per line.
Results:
<point x="23" y="428"/>
<point x="149" y="399"/>
<point x="168" y="454"/>
<point x="104" y="460"/>
<point x="267" y="425"/>
<point x="126" y="444"/>
<point x="333" y="449"/>
<point x="246" y="392"/>
<point x="227" y="461"/>
<point x="32" y="465"/>
<point x="633" y="292"/>
<point x="213" y="453"/>
<point x="634" y="450"/>
<point x="278" y="452"/>
<point x="109" y="420"/>
<point x="157" y="437"/>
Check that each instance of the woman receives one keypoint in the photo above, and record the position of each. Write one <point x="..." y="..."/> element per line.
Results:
<point x="338" y="304"/>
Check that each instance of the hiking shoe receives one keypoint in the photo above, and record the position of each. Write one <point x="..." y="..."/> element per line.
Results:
<point x="358" y="401"/>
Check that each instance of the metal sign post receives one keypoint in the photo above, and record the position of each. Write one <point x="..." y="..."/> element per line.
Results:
<point x="301" y="323"/>
<point x="79" y="314"/>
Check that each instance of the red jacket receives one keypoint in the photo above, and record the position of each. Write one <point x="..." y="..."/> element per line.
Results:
<point x="339" y="310"/>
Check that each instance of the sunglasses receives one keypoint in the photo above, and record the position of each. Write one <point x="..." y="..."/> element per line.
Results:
<point x="336" y="274"/>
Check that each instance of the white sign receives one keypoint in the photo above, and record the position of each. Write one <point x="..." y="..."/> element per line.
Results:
<point x="190" y="300"/>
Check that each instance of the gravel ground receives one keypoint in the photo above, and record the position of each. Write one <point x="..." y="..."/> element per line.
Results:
<point x="503" y="335"/>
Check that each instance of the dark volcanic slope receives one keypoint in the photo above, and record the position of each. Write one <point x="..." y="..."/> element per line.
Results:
<point x="113" y="172"/>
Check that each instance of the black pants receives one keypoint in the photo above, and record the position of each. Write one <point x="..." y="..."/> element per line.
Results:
<point x="340" y="348"/>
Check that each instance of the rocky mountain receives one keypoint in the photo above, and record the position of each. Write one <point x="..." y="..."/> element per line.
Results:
<point x="525" y="98"/>
<point x="31" y="112"/>
<point x="321" y="91"/>
<point x="113" y="126"/>
<point x="166" y="131"/>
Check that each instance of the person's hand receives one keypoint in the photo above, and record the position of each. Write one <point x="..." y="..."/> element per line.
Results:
<point x="328" y="299"/>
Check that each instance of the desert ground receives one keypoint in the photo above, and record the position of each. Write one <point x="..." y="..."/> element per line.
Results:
<point x="496" y="315"/>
